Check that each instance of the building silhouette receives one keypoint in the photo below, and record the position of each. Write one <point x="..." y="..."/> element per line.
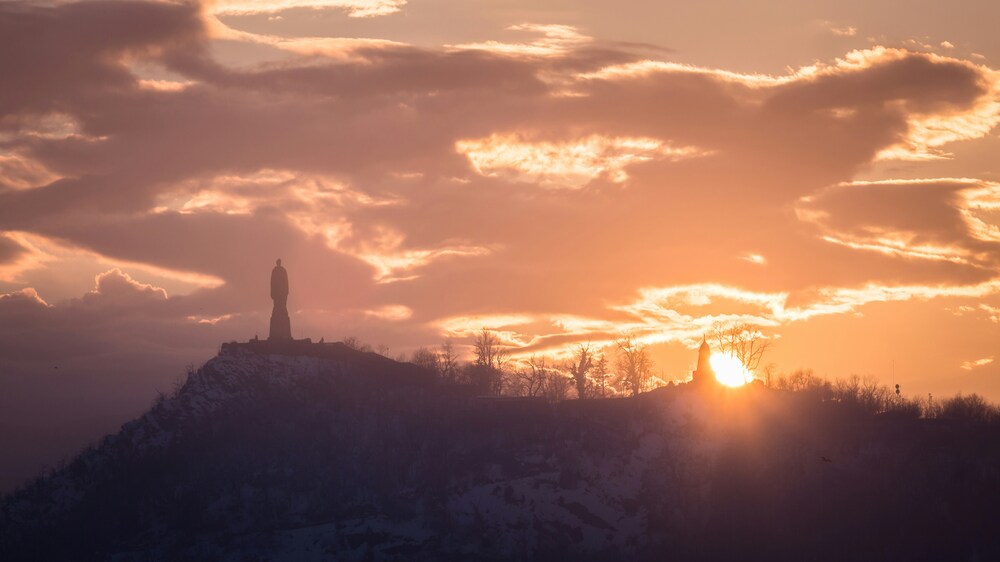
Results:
<point x="704" y="373"/>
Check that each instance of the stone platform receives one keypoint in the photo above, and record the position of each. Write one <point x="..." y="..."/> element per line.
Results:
<point x="367" y="361"/>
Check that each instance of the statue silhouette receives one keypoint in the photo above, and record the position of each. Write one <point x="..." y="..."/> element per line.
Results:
<point x="281" y="326"/>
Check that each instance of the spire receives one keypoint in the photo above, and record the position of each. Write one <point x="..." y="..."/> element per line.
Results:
<point x="704" y="371"/>
<point x="704" y="352"/>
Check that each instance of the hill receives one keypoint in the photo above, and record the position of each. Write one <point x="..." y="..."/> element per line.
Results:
<point x="331" y="453"/>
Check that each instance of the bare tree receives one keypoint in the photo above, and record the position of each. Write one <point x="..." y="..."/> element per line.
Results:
<point x="489" y="351"/>
<point x="743" y="341"/>
<point x="768" y="373"/>
<point x="491" y="358"/>
<point x="863" y="393"/>
<point x="579" y="368"/>
<point x="448" y="362"/>
<point x="356" y="344"/>
<point x="478" y="377"/>
<point x="426" y="359"/>
<point x="531" y="378"/>
<point x="634" y="364"/>
<point x="600" y="374"/>
<point x="803" y="380"/>
<point x="970" y="408"/>
<point x="557" y="386"/>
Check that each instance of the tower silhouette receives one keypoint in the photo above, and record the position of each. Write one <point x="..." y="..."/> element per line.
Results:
<point x="704" y="373"/>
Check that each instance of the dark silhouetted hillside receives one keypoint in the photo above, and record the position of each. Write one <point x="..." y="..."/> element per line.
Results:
<point x="350" y="456"/>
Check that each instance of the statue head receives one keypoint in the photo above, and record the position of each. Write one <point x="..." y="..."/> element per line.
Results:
<point x="278" y="262"/>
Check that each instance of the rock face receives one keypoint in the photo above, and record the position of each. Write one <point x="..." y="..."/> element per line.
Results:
<point x="337" y="454"/>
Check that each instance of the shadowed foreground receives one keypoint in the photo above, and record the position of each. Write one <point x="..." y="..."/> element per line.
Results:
<point x="352" y="456"/>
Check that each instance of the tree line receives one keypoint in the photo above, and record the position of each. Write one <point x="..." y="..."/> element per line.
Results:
<point x="626" y="368"/>
<point x="868" y="396"/>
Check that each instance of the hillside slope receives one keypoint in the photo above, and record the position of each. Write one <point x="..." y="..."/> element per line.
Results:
<point x="351" y="456"/>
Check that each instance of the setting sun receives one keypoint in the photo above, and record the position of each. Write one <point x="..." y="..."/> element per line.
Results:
<point x="729" y="371"/>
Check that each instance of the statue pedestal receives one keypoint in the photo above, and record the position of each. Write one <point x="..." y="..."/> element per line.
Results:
<point x="281" y="326"/>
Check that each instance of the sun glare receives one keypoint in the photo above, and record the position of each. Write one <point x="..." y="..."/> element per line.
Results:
<point x="729" y="371"/>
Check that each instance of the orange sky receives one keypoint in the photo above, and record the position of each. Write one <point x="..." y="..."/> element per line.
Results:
<point x="556" y="170"/>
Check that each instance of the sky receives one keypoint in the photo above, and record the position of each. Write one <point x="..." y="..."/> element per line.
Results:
<point x="558" y="171"/>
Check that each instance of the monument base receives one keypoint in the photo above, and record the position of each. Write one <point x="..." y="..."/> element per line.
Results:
<point x="281" y="326"/>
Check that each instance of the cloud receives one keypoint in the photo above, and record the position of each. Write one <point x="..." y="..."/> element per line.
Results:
<point x="76" y="48"/>
<point x="20" y="253"/>
<point x="391" y="312"/>
<point x="572" y="163"/>
<point x="354" y="8"/>
<point x="10" y="249"/>
<point x="20" y="173"/>
<point x="394" y="263"/>
<point x="26" y="298"/>
<point x="340" y="48"/>
<point x="970" y="365"/>
<point x="391" y="175"/>
<point x="552" y="40"/>
<point x="993" y="312"/>
<point x="845" y="31"/>
<point x="684" y="314"/>
<point x="118" y="317"/>
<point x="117" y="287"/>
<point x="931" y="219"/>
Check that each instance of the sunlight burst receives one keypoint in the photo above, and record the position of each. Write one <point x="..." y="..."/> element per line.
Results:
<point x="729" y="371"/>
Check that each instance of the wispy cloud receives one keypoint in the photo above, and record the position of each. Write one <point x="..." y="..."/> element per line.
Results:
<point x="354" y="8"/>
<point x="970" y="365"/>
<point x="391" y="312"/>
<point x="756" y="259"/>
<point x="550" y="40"/>
<point x="570" y="163"/>
<point x="845" y="31"/>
